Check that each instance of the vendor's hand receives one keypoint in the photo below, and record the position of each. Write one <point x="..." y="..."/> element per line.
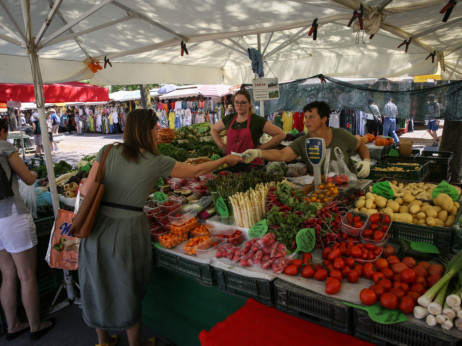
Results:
<point x="251" y="154"/>
<point x="232" y="160"/>
<point x="364" y="168"/>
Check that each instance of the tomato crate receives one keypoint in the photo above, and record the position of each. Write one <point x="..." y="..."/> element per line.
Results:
<point x="240" y="285"/>
<point x="197" y="271"/>
<point x="410" y="333"/>
<point x="408" y="172"/>
<point x="316" y="308"/>
<point x="440" y="164"/>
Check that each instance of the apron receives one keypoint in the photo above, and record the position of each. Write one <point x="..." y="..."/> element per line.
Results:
<point x="240" y="140"/>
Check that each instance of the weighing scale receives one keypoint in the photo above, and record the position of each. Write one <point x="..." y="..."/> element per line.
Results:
<point x="316" y="151"/>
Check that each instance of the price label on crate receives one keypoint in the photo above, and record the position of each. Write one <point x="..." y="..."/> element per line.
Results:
<point x="446" y="188"/>
<point x="306" y="240"/>
<point x="383" y="189"/>
<point x="424" y="247"/>
<point x="393" y="153"/>
<point x="258" y="230"/>
<point x="379" y="314"/>
<point x="222" y="208"/>
<point x="160" y="197"/>
<point x="160" y="182"/>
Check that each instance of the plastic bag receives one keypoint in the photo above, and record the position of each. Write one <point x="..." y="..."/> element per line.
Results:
<point x="296" y="169"/>
<point x="27" y="193"/>
<point x="336" y="169"/>
<point x="277" y="168"/>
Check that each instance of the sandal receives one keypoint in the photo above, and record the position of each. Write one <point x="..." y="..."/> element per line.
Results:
<point x="114" y="343"/>
<point x="34" y="336"/>
<point x="11" y="336"/>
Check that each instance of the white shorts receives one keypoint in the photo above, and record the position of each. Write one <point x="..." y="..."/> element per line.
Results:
<point x="17" y="233"/>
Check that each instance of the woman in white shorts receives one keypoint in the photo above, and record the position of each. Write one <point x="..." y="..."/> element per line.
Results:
<point x="17" y="246"/>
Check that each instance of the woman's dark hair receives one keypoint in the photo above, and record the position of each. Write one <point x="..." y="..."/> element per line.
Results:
<point x="322" y="107"/>
<point x="137" y="134"/>
<point x="4" y="123"/>
<point x="246" y="94"/>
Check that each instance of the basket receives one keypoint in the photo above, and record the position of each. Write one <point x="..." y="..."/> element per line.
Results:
<point x="416" y="159"/>
<point x="440" y="164"/>
<point x="408" y="174"/>
<point x="196" y="271"/>
<point x="316" y="308"/>
<point x="258" y="289"/>
<point x="403" y="333"/>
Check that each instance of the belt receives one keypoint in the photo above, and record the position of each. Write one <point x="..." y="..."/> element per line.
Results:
<point x="121" y="206"/>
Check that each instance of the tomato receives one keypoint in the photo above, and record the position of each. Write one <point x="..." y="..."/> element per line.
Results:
<point x="378" y="290"/>
<point x="398" y="292"/>
<point x="333" y="286"/>
<point x="350" y="262"/>
<point x="359" y="269"/>
<point x="336" y="274"/>
<point x="381" y="263"/>
<point x="325" y="252"/>
<point x="405" y="287"/>
<point x="424" y="264"/>
<point x="333" y="254"/>
<point x="420" y="271"/>
<point x="352" y="276"/>
<point x="389" y="301"/>
<point x="409" y="261"/>
<point x="345" y="271"/>
<point x="419" y="288"/>
<point x="407" y="305"/>
<point x="368" y="270"/>
<point x="432" y="279"/>
<point x="392" y="259"/>
<point x="291" y="270"/>
<point x="297" y="262"/>
<point x="367" y="296"/>
<point x="307" y="257"/>
<point x="414" y="295"/>
<point x="398" y="267"/>
<point x="378" y="235"/>
<point x="374" y="218"/>
<point x="436" y="269"/>
<point x="356" y="251"/>
<point x="387" y="284"/>
<point x="386" y="219"/>
<point x="339" y="263"/>
<point x="320" y="274"/>
<point x="349" y="217"/>
<point x="388" y="250"/>
<point x="367" y="233"/>
<point x="387" y="272"/>
<point x="307" y="271"/>
<point x="408" y="275"/>
<point x="377" y="276"/>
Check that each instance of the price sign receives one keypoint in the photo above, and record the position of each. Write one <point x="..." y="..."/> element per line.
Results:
<point x="393" y="153"/>
<point x="306" y="240"/>
<point x="379" y="314"/>
<point x="383" y="189"/>
<point x="258" y="230"/>
<point x="446" y="188"/>
<point x="160" y="182"/>
<point x="160" y="197"/>
<point x="215" y="157"/>
<point x="221" y="207"/>
<point x="424" y="247"/>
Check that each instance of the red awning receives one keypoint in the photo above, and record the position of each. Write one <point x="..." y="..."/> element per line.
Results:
<point x="54" y="93"/>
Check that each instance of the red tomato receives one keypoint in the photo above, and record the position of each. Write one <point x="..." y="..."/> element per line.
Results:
<point x="320" y="274"/>
<point x="387" y="272"/>
<point x="336" y="274"/>
<point x="392" y="259"/>
<point x="376" y="277"/>
<point x="335" y="253"/>
<point x="374" y="218"/>
<point x="436" y="269"/>
<point x="345" y="271"/>
<point x="414" y="295"/>
<point x="420" y="271"/>
<point x="367" y="233"/>
<point x="350" y="262"/>
<point x="378" y="235"/>
<point x="398" y="292"/>
<point x="333" y="286"/>
<point x="307" y="257"/>
<point x="378" y="290"/>
<point x="432" y="279"/>
<point x="339" y="263"/>
<point x="409" y="261"/>
<point x="352" y="276"/>
<point x="408" y="275"/>
<point x="407" y="305"/>
<point x="388" y="250"/>
<point x="367" y="296"/>
<point x="398" y="267"/>
<point x="381" y="263"/>
<point x="387" y="284"/>
<point x="389" y="301"/>
<point x="291" y="270"/>
<point x="368" y="270"/>
<point x="424" y="264"/>
<point x="419" y="288"/>
<point x="325" y="252"/>
<point x="359" y="269"/>
<point x="297" y="262"/>
<point x="386" y="219"/>
<point x="405" y="287"/>
<point x="307" y="271"/>
<point x="355" y="251"/>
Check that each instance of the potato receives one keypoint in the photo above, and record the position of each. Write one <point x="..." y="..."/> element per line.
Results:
<point x="393" y="205"/>
<point x="443" y="215"/>
<point x="444" y="201"/>
<point x="430" y="221"/>
<point x="416" y="202"/>
<point x="403" y="217"/>
<point x="363" y="210"/>
<point x="380" y="201"/>
<point x="356" y="209"/>
<point x="404" y="209"/>
<point x="437" y="208"/>
<point x="453" y="211"/>
<point x="360" y="203"/>
<point x="408" y="198"/>
<point x="431" y="212"/>
<point x="369" y="203"/>
<point x="371" y="211"/>
<point x="388" y="210"/>
<point x="369" y="195"/>
<point x="457" y="205"/>
<point x="450" y="221"/>
<point x="439" y="223"/>
<point x="421" y="215"/>
<point x="399" y="200"/>
<point x="414" y="208"/>
<point x="421" y="222"/>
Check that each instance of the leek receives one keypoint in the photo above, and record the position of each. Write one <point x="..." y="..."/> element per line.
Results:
<point x="436" y="307"/>
<point x="420" y="312"/>
<point x="450" y="313"/>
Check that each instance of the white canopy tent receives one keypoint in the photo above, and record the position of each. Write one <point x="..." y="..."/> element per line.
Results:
<point x="143" y="39"/>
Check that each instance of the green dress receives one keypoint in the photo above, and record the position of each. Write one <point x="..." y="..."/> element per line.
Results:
<point x="115" y="261"/>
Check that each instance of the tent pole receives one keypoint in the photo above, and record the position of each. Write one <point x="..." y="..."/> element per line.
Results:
<point x="22" y="138"/>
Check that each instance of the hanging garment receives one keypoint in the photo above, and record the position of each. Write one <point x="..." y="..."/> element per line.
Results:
<point x="298" y="121"/>
<point x="334" y="119"/>
<point x="187" y="117"/>
<point x="171" y="120"/>
<point x="287" y="120"/>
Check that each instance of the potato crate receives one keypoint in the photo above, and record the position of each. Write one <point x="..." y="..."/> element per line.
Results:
<point x="403" y="333"/>
<point x="200" y="272"/>
<point x="440" y="164"/>
<point x="325" y="311"/>
<point x="411" y="159"/>
<point x="240" y="285"/>
<point x="408" y="173"/>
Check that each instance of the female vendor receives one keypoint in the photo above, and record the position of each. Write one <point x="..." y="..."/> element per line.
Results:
<point x="244" y="129"/>
<point x="316" y="120"/>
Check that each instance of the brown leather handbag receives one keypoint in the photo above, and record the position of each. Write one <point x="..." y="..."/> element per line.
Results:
<point x="83" y="221"/>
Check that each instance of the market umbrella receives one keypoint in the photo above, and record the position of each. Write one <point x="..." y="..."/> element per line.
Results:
<point x="165" y="89"/>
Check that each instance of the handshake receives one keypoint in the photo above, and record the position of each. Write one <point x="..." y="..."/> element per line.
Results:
<point x="251" y="154"/>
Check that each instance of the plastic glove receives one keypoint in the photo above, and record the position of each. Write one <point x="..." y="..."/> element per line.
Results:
<point x="364" y="168"/>
<point x="251" y="154"/>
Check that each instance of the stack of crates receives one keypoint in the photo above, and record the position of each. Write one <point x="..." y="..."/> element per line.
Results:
<point x="440" y="164"/>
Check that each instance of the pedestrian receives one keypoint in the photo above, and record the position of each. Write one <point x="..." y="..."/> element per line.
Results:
<point x="433" y="113"/>
<point x="37" y="134"/>
<point x="390" y="112"/>
<point x="78" y="121"/>
<point x="18" y="240"/>
<point x="115" y="261"/>
<point x="373" y="117"/>
<point x="54" y="118"/>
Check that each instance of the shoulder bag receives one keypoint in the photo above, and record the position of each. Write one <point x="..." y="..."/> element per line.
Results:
<point x="83" y="221"/>
<point x="6" y="190"/>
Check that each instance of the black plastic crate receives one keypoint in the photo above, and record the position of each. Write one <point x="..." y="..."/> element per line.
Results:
<point x="411" y="159"/>
<point x="440" y="164"/>
<point x="240" y="285"/>
<point x="403" y="333"/>
<point x="325" y="311"/>
<point x="200" y="272"/>
<point x="408" y="173"/>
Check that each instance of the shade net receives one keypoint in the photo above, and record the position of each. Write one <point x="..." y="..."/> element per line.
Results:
<point x="412" y="99"/>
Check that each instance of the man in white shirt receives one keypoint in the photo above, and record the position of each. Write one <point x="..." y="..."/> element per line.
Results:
<point x="390" y="112"/>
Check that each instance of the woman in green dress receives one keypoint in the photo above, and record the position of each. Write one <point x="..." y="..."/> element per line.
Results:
<point x="115" y="260"/>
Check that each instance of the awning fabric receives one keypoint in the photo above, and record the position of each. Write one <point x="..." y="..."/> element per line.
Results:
<point x="54" y="93"/>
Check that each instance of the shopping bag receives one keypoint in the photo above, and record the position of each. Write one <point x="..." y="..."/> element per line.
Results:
<point x="335" y="168"/>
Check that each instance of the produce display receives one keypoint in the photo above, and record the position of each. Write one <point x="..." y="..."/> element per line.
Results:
<point x="165" y="135"/>
<point x="193" y="132"/>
